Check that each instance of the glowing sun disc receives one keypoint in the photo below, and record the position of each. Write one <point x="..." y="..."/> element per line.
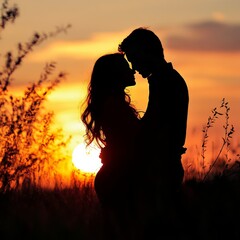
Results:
<point x="86" y="159"/>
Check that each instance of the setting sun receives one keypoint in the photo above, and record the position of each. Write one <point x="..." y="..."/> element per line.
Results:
<point x="86" y="159"/>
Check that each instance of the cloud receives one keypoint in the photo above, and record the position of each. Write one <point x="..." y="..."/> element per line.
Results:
<point x="97" y="45"/>
<point x="206" y="36"/>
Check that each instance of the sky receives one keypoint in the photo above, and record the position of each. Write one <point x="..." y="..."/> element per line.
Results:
<point x="201" y="38"/>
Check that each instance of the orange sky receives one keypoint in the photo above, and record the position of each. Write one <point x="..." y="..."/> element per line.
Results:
<point x="201" y="39"/>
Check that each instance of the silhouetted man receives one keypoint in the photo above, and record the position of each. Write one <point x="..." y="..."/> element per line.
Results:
<point x="164" y="124"/>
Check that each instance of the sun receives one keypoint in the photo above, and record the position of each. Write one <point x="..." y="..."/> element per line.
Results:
<point x="86" y="159"/>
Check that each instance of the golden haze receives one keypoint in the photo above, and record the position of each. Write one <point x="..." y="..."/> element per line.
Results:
<point x="210" y="76"/>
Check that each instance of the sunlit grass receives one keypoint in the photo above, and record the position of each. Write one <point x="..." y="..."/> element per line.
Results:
<point x="31" y="150"/>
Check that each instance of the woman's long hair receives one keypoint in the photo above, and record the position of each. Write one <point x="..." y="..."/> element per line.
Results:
<point x="105" y="80"/>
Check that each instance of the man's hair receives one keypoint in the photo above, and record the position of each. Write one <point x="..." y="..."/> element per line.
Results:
<point x="142" y="39"/>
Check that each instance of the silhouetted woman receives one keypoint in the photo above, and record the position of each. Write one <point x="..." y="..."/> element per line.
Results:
<point x="112" y="122"/>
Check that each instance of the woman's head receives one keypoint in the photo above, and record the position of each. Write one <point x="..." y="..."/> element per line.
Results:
<point x="111" y="72"/>
<point x="110" y="76"/>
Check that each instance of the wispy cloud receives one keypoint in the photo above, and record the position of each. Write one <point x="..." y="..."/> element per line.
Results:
<point x="207" y="36"/>
<point x="97" y="45"/>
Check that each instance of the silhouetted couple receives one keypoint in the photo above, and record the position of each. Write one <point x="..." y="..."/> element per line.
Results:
<point x="140" y="181"/>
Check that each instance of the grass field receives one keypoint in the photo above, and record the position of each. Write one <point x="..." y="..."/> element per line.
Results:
<point x="210" y="210"/>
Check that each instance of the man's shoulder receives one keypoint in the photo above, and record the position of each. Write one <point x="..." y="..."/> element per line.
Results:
<point x="167" y="71"/>
<point x="175" y="73"/>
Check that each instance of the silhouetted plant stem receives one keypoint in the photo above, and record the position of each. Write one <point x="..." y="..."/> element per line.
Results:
<point x="227" y="134"/>
<point x="210" y="122"/>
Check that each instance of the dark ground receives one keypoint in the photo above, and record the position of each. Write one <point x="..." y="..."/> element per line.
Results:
<point x="210" y="210"/>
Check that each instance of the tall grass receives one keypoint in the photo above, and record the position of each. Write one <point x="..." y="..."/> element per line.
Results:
<point x="60" y="213"/>
<point x="226" y="139"/>
<point x="29" y="147"/>
<point x="227" y="159"/>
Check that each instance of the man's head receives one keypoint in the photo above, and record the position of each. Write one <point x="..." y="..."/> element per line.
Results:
<point x="143" y="49"/>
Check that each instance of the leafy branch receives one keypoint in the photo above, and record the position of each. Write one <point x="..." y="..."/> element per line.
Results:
<point x="8" y="14"/>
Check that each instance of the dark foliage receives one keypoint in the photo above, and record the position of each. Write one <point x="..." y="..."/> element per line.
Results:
<point x="27" y="141"/>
